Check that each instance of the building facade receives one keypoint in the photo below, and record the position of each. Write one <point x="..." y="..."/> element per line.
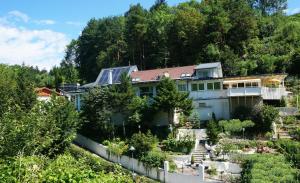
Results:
<point x="211" y="92"/>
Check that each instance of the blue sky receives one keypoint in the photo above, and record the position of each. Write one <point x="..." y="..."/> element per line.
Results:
<point x="36" y="31"/>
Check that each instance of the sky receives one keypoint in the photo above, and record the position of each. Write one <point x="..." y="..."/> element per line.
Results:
<point x="36" y="32"/>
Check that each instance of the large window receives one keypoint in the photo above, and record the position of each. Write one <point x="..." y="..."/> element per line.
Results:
<point x="146" y="91"/>
<point x="201" y="86"/>
<point x="210" y="86"/>
<point x="217" y="86"/>
<point x="194" y="87"/>
<point x="182" y="87"/>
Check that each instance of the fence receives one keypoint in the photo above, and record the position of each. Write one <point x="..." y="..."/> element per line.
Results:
<point x="132" y="164"/>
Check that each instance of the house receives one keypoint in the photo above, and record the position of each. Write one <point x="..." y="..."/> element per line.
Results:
<point x="212" y="93"/>
<point x="44" y="93"/>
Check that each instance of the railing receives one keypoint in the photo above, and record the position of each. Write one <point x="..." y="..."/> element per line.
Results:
<point x="273" y="93"/>
<point x="235" y="92"/>
<point x="208" y="94"/>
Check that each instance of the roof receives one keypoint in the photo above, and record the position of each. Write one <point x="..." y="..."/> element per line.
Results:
<point x="151" y="75"/>
<point x="45" y="92"/>
<point x="208" y="65"/>
<point x="103" y="77"/>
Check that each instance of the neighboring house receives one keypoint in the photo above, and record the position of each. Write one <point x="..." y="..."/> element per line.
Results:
<point x="210" y="91"/>
<point x="44" y="93"/>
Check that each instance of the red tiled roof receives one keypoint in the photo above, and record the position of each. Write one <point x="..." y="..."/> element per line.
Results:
<point x="151" y="75"/>
<point x="45" y="92"/>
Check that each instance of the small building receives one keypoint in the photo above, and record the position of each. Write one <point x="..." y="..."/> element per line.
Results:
<point x="44" y="93"/>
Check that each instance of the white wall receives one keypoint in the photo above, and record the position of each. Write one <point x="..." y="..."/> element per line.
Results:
<point x="139" y="167"/>
<point x="218" y="106"/>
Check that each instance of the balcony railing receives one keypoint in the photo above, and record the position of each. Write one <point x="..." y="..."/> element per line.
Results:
<point x="273" y="93"/>
<point x="208" y="94"/>
<point x="235" y="92"/>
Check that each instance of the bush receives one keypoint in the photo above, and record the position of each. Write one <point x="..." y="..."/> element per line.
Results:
<point x="117" y="147"/>
<point x="263" y="117"/>
<point x="242" y="113"/>
<point x="235" y="126"/>
<point x="142" y="143"/>
<point x="48" y="128"/>
<point x="213" y="131"/>
<point x="291" y="150"/>
<point x="267" y="168"/>
<point x="184" y="144"/>
<point x="154" y="159"/>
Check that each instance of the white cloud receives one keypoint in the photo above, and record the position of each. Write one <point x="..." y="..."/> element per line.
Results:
<point x="291" y="11"/>
<point x="19" y="15"/>
<point x="42" y="48"/>
<point x="45" y="22"/>
<point x="74" y="23"/>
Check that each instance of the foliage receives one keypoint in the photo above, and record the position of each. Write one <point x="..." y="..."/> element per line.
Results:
<point x="212" y="171"/>
<point x="143" y="143"/>
<point x="291" y="150"/>
<point x="263" y="117"/>
<point x="184" y="144"/>
<point x="117" y="147"/>
<point x="96" y="112"/>
<point x="154" y="158"/>
<point x="235" y="125"/>
<point x="194" y="120"/>
<point x="48" y="128"/>
<point x="242" y="113"/>
<point x="213" y="131"/>
<point x="168" y="98"/>
<point x="267" y="168"/>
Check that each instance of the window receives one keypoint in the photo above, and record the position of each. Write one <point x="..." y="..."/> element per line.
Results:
<point x="255" y="84"/>
<point x="217" y="86"/>
<point x="194" y="87"/>
<point x="210" y="86"/>
<point x="248" y="85"/>
<point x="225" y="86"/>
<point x="201" y="86"/>
<point x="234" y="85"/>
<point x="182" y="87"/>
<point x="241" y="85"/>
<point x="146" y="91"/>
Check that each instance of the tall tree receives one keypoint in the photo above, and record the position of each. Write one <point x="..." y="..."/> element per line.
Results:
<point x="168" y="98"/>
<point x="136" y="27"/>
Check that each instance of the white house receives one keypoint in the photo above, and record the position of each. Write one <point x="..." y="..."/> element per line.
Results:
<point x="210" y="91"/>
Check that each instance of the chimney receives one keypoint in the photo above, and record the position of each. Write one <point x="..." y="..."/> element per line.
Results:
<point x="110" y="77"/>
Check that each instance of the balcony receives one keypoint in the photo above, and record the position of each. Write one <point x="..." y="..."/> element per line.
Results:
<point x="273" y="93"/>
<point x="208" y="94"/>
<point x="237" y="92"/>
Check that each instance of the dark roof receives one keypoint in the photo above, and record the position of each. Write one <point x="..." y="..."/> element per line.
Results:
<point x="102" y="78"/>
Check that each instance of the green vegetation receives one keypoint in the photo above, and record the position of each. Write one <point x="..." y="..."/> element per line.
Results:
<point x="267" y="168"/>
<point x="235" y="126"/>
<point x="168" y="98"/>
<point x="184" y="144"/>
<point x="291" y="150"/>
<point x="213" y="131"/>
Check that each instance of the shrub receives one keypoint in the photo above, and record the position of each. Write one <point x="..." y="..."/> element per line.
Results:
<point x="289" y="120"/>
<point x="142" y="143"/>
<point x="235" y="125"/>
<point x="213" y="131"/>
<point x="117" y="147"/>
<point x="291" y="150"/>
<point x="242" y="113"/>
<point x="184" y="144"/>
<point x="267" y="168"/>
<point x="154" y="159"/>
<point x="263" y="117"/>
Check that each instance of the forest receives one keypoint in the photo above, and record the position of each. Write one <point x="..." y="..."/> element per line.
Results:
<point x="247" y="36"/>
